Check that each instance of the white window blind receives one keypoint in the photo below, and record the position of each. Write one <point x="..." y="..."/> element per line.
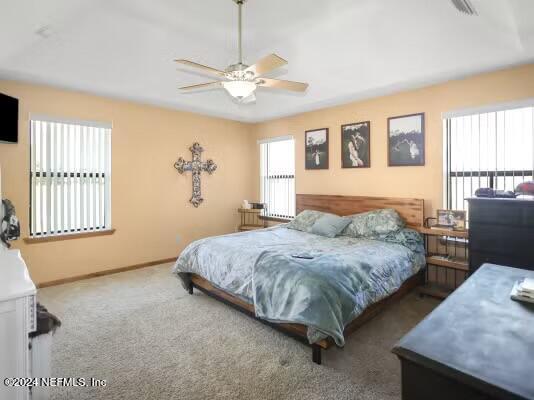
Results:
<point x="492" y="148"/>
<point x="70" y="177"/>
<point x="277" y="176"/>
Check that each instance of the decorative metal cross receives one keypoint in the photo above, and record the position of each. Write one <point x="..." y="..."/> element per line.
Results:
<point x="196" y="167"/>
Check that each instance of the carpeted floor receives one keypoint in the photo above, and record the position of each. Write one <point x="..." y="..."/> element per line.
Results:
<point x="143" y="334"/>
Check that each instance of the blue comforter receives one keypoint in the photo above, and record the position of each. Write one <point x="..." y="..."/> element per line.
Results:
<point x="325" y="293"/>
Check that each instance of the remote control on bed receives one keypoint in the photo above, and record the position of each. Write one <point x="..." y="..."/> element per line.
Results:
<point x="303" y="256"/>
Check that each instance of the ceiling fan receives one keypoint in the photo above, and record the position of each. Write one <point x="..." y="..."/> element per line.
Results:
<point x="241" y="80"/>
<point x="465" y="6"/>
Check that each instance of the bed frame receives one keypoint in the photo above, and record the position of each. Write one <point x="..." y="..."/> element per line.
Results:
<point x="411" y="210"/>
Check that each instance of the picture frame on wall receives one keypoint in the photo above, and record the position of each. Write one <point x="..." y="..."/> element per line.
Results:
<point x="356" y="145"/>
<point x="316" y="149"/>
<point x="406" y="140"/>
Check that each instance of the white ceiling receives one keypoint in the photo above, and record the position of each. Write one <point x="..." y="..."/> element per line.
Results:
<point x="345" y="49"/>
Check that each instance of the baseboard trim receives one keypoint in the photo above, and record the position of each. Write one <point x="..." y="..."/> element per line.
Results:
<point x="103" y="273"/>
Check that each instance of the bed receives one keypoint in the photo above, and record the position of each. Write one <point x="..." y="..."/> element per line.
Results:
<point x="321" y="300"/>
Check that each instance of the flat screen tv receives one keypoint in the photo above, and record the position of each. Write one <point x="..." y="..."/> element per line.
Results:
<point x="9" y="119"/>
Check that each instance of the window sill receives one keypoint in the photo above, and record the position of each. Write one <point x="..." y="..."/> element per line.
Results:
<point x="275" y="219"/>
<point x="68" y="236"/>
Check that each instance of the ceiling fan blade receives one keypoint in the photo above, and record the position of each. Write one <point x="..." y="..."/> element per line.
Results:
<point x="285" y="85"/>
<point x="465" y="7"/>
<point x="249" y="99"/>
<point x="208" y="85"/>
<point x="202" y="68"/>
<point x="266" y="64"/>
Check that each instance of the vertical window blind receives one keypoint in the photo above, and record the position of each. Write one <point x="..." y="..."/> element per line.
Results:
<point x="277" y="176"/>
<point x="70" y="177"/>
<point x="493" y="149"/>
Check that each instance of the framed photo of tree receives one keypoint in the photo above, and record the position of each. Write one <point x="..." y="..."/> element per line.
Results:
<point x="356" y="145"/>
<point x="406" y="140"/>
<point x="316" y="151"/>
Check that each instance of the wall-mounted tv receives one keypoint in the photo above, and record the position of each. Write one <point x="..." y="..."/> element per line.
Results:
<point x="9" y="119"/>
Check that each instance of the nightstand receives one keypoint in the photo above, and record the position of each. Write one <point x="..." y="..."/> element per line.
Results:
<point x="447" y="258"/>
<point x="250" y="219"/>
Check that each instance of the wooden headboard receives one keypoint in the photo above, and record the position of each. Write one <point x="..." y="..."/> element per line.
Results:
<point x="411" y="210"/>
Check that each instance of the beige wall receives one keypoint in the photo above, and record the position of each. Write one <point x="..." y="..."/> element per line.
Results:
<point x="149" y="198"/>
<point x="381" y="180"/>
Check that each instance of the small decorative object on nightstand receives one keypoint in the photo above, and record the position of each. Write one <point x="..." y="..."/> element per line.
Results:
<point x="447" y="259"/>
<point x="250" y="219"/>
<point x="450" y="219"/>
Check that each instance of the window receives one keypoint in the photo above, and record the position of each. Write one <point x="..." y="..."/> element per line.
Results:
<point x="493" y="148"/>
<point x="70" y="177"/>
<point x="277" y="176"/>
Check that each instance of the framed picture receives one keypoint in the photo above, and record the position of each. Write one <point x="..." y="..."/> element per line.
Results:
<point x="316" y="142"/>
<point x="356" y="145"/>
<point x="406" y="140"/>
<point x="451" y="219"/>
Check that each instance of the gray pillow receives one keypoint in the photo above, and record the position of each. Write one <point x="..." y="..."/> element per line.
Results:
<point x="374" y="223"/>
<point x="305" y="220"/>
<point x="330" y="225"/>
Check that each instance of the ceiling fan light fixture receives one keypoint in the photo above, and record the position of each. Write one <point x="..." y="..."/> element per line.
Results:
<point x="239" y="89"/>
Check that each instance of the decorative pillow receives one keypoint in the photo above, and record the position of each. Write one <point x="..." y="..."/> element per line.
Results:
<point x="305" y="220"/>
<point x="329" y="225"/>
<point x="374" y="223"/>
<point x="526" y="188"/>
<point x="409" y="238"/>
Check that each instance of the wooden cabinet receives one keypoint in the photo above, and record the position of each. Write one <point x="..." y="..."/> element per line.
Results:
<point x="477" y="345"/>
<point x="501" y="232"/>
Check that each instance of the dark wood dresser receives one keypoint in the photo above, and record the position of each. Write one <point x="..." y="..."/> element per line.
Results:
<point x="501" y="231"/>
<point x="478" y="344"/>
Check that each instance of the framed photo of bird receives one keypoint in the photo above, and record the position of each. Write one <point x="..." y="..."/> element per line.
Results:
<point x="356" y="145"/>
<point x="406" y="140"/>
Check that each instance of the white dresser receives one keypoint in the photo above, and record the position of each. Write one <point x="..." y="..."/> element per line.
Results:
<point x="17" y="320"/>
